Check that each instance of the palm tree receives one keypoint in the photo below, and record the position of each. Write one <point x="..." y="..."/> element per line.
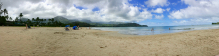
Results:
<point x="48" y="23"/>
<point x="16" y="19"/>
<point x="37" y="20"/>
<point x="6" y="17"/>
<point x="52" y="20"/>
<point x="10" y="18"/>
<point x="44" y="20"/>
<point x="5" y="11"/>
<point x="20" y="16"/>
<point x="33" y="19"/>
<point x="41" y="21"/>
<point x="28" y="21"/>
<point x="1" y="11"/>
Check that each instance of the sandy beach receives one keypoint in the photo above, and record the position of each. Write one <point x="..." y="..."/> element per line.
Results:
<point x="55" y="41"/>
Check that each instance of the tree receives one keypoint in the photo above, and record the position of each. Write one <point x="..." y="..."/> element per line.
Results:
<point x="16" y="19"/>
<point x="6" y="17"/>
<point x="28" y="21"/>
<point x="49" y="23"/>
<point x="44" y="19"/>
<point x="2" y="20"/>
<point x="52" y="20"/>
<point x="5" y="11"/>
<point x="33" y="19"/>
<point x="56" y="23"/>
<point x="20" y="16"/>
<point x="1" y="11"/>
<point x="41" y="21"/>
<point x="10" y="18"/>
<point x="37" y="20"/>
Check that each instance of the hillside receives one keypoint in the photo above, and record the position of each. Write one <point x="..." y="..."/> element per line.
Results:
<point x="61" y="19"/>
<point x="85" y="22"/>
<point x="215" y="23"/>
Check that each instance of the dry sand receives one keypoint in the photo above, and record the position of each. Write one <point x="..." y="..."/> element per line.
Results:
<point x="55" y="41"/>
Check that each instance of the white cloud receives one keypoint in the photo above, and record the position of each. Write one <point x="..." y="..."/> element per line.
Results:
<point x="168" y="9"/>
<point x="152" y="3"/>
<point x="109" y="10"/>
<point x="197" y="9"/>
<point x="199" y="21"/>
<point x="159" y="16"/>
<point x="158" y="10"/>
<point x="153" y="23"/>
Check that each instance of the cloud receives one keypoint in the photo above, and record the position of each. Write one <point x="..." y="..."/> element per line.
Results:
<point x="152" y="3"/>
<point x="159" y="16"/>
<point x="158" y="10"/>
<point x="199" y="21"/>
<point x="109" y="10"/>
<point x="153" y="23"/>
<point x="197" y="9"/>
<point x="168" y="9"/>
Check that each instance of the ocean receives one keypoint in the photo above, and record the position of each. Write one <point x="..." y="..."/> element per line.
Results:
<point x="157" y="29"/>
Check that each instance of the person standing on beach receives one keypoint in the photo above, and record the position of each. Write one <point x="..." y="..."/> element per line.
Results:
<point x="152" y="29"/>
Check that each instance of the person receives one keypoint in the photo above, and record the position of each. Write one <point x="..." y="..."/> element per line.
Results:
<point x="29" y="27"/>
<point x="74" y="27"/>
<point x="66" y="28"/>
<point x="152" y="29"/>
<point x="26" y="26"/>
<point x="77" y="27"/>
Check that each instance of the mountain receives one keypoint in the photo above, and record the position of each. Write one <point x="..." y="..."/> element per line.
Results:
<point x="61" y="19"/>
<point x="85" y="22"/>
<point x="98" y="24"/>
<point x="23" y="19"/>
<point x="65" y="20"/>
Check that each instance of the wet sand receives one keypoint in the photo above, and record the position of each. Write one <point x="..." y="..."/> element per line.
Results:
<point x="55" y="41"/>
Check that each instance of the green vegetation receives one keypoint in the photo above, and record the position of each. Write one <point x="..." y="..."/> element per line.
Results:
<point x="215" y="23"/>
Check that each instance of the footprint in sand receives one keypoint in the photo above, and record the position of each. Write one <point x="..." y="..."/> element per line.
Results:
<point x="59" y="33"/>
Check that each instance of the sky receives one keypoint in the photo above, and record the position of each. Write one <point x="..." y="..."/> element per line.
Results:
<point x="144" y="12"/>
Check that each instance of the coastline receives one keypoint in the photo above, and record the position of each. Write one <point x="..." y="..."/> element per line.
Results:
<point x="55" y="41"/>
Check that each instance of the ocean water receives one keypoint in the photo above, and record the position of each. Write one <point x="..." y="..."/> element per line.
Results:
<point x="157" y="29"/>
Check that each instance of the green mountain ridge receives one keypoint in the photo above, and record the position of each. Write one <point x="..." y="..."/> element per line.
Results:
<point x="90" y="23"/>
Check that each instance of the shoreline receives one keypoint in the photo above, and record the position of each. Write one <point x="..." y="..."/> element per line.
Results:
<point x="158" y="34"/>
<point x="55" y="41"/>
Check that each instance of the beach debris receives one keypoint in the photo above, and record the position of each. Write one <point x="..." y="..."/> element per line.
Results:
<point x="103" y="46"/>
